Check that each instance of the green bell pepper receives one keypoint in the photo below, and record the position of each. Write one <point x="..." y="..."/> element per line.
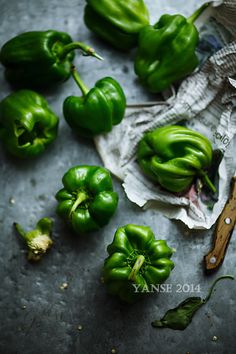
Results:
<point x="137" y="262"/>
<point x="117" y="21"/>
<point x="40" y="58"/>
<point x="87" y="201"/>
<point x="166" y="51"/>
<point x="38" y="240"/>
<point x="27" y="124"/>
<point x="98" y="109"/>
<point x="174" y="156"/>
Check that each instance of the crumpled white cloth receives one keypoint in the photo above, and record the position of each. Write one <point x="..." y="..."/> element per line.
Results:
<point x="206" y="101"/>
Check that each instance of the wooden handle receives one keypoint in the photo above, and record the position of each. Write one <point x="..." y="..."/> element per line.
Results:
<point x="223" y="231"/>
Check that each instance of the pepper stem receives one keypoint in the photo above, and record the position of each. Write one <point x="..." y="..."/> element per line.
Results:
<point x="213" y="285"/>
<point x="84" y="89"/>
<point x="137" y="265"/>
<point x="80" y="199"/>
<point x="198" y="12"/>
<point x="206" y="180"/>
<point x="20" y="230"/>
<point x="87" y="50"/>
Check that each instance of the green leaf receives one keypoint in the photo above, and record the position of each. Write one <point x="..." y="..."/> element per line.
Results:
<point x="181" y="316"/>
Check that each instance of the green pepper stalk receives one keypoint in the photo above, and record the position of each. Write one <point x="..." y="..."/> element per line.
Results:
<point x="137" y="266"/>
<point x="80" y="198"/>
<point x="38" y="240"/>
<point x="118" y="22"/>
<point x="87" y="202"/>
<point x="40" y="58"/>
<point x="136" y="262"/>
<point x="87" y="50"/>
<point x="166" y="51"/>
<point x="198" y="12"/>
<point x="27" y="123"/>
<point x="84" y="89"/>
<point x="174" y="156"/>
<point x="98" y="109"/>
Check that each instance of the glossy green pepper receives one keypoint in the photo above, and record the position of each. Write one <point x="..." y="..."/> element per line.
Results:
<point x="137" y="262"/>
<point x="27" y="124"/>
<point x="40" y="58"/>
<point x="98" y="109"/>
<point x="174" y="156"/>
<point x="87" y="201"/>
<point x="117" y="21"/>
<point x="166" y="51"/>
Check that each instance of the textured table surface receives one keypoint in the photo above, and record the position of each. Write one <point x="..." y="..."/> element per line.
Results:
<point x="36" y="315"/>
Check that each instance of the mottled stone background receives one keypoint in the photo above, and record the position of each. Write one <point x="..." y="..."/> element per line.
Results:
<point x="36" y="315"/>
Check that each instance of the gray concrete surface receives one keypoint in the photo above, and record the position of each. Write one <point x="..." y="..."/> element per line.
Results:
<point x="36" y="315"/>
